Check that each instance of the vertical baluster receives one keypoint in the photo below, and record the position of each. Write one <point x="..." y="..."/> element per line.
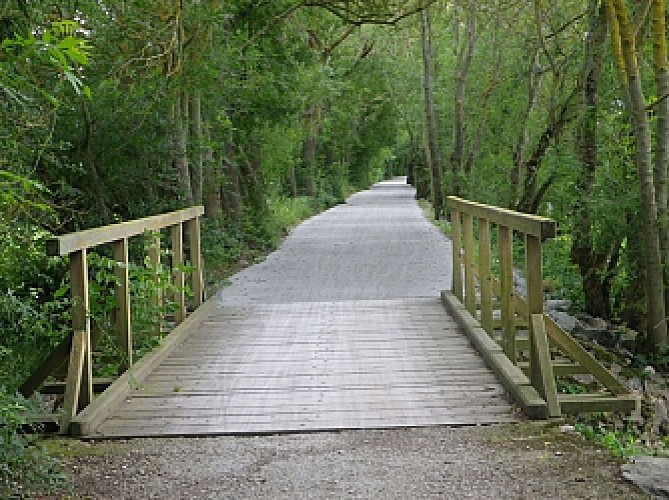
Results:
<point x="154" y="258"/>
<point x="485" y="276"/>
<point x="122" y="293"/>
<point x="177" y="272"/>
<point x="535" y="299"/>
<point x="197" y="279"/>
<point x="470" y="289"/>
<point x="456" y="230"/>
<point x="79" y="384"/>
<point x="507" y="298"/>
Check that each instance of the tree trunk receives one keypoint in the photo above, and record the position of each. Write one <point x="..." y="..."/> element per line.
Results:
<point x="180" y="117"/>
<point x="213" y="204"/>
<point x="465" y="57"/>
<point x="91" y="165"/>
<point x="662" y="133"/>
<point x="199" y="147"/>
<point x="592" y="264"/>
<point x="431" y="148"/>
<point x="309" y="152"/>
<point x="231" y="183"/>
<point x="653" y="272"/>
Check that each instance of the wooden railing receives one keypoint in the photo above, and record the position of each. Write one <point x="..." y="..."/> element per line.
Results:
<point x="483" y="291"/>
<point x="79" y="381"/>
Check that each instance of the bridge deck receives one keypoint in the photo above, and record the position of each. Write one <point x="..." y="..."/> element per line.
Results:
<point x="341" y="328"/>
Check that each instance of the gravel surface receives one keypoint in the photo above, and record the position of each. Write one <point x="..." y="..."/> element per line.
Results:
<point x="376" y="246"/>
<point x="503" y="461"/>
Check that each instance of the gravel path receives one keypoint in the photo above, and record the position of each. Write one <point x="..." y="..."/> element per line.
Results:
<point x="523" y="460"/>
<point x="376" y="246"/>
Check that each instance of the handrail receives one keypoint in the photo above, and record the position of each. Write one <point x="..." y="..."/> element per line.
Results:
<point x="79" y="382"/>
<point x="535" y="225"/>
<point x="69" y="243"/>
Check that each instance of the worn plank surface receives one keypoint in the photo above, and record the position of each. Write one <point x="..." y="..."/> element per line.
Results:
<point x="341" y="328"/>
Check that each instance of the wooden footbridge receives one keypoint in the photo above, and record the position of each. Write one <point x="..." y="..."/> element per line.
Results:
<point x="346" y="326"/>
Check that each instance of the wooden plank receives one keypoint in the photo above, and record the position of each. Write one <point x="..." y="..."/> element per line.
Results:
<point x="485" y="276"/>
<point x="560" y="369"/>
<point x="154" y="258"/>
<point x="468" y="236"/>
<point x="197" y="275"/>
<point x="307" y="379"/>
<point x="589" y="403"/>
<point x="456" y="236"/>
<point x="569" y="346"/>
<point x="81" y="323"/>
<point x="58" y="357"/>
<point x="69" y="243"/>
<point x="122" y="294"/>
<point x="75" y="375"/>
<point x="99" y="385"/>
<point x="178" y="276"/>
<point x="519" y="322"/>
<point x="535" y="306"/>
<point x="540" y="227"/>
<point x="547" y="388"/>
<point x="507" y="292"/>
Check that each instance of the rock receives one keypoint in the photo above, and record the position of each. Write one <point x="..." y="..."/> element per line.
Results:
<point x="564" y="320"/>
<point x="603" y="336"/>
<point x="562" y="305"/>
<point x="651" y="474"/>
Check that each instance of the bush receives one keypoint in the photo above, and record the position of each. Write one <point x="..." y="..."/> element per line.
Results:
<point x="25" y="467"/>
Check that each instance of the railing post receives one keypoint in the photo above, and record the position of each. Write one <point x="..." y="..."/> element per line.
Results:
<point x="457" y="253"/>
<point x="545" y="376"/>
<point x="79" y="385"/>
<point x="485" y="276"/>
<point x="470" y="289"/>
<point x="507" y="293"/>
<point x="154" y="258"/>
<point x="177" y="271"/>
<point x="197" y="278"/>
<point x="122" y="293"/>
<point x="535" y="300"/>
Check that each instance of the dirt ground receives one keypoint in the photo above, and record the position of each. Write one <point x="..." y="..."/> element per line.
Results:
<point x="526" y="460"/>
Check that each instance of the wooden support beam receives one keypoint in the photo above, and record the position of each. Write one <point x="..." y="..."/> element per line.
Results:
<point x="569" y="346"/>
<point x="197" y="276"/>
<point x="470" y="288"/>
<point x="154" y="258"/>
<point x="178" y="278"/>
<point x="590" y="403"/>
<point x="81" y="323"/>
<point x="540" y="227"/>
<point x="75" y="374"/>
<point x="560" y="368"/>
<point x="485" y="277"/>
<point x="535" y="303"/>
<point x="58" y="357"/>
<point x="122" y="294"/>
<point x="81" y="240"/>
<point x="547" y="388"/>
<point x="456" y="230"/>
<point x="507" y="292"/>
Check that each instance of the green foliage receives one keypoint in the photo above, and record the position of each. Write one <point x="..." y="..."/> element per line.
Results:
<point x="25" y="467"/>
<point x="620" y="443"/>
<point x="561" y="271"/>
